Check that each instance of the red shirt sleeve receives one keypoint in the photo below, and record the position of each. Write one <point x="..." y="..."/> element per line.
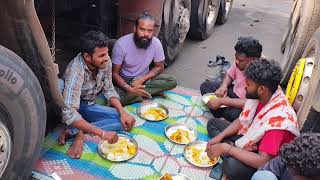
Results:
<point x="272" y="141"/>
<point x="232" y="71"/>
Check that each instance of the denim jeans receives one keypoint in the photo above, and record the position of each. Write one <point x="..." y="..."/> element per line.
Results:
<point x="103" y="117"/>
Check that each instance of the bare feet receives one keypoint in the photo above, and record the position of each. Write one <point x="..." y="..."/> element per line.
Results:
<point x="63" y="136"/>
<point x="76" y="148"/>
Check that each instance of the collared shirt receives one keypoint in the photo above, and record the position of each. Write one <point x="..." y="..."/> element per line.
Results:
<point x="80" y="84"/>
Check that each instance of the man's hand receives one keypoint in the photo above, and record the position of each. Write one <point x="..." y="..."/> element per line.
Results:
<point x="217" y="139"/>
<point x="139" y="91"/>
<point x="109" y="136"/>
<point x="127" y="121"/>
<point x="215" y="103"/>
<point x="221" y="91"/>
<point x="216" y="150"/>
<point x="137" y="82"/>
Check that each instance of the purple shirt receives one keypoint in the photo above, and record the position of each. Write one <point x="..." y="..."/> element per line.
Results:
<point x="135" y="61"/>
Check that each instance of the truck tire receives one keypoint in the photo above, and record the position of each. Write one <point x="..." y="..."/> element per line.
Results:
<point x="174" y="30"/>
<point x="224" y="11"/>
<point x="308" y="23"/>
<point x="311" y="98"/>
<point x="294" y="16"/>
<point x="204" y="14"/>
<point x="22" y="117"/>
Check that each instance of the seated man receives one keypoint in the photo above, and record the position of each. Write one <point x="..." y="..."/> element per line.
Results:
<point x="232" y="89"/>
<point x="132" y="55"/>
<point x="299" y="159"/>
<point x="88" y="74"/>
<point x="266" y="122"/>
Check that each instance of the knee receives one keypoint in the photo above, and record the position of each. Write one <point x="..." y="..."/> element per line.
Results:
<point x="263" y="174"/>
<point x="234" y="169"/>
<point x="208" y="87"/>
<point x="229" y="168"/>
<point x="204" y="87"/>
<point x="212" y="128"/>
<point x="171" y="81"/>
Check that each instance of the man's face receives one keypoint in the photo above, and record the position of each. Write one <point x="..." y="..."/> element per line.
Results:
<point x="252" y="89"/>
<point x="100" y="57"/>
<point x="242" y="61"/>
<point x="144" y="33"/>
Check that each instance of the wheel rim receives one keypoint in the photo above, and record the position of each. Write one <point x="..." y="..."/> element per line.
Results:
<point x="305" y="106"/>
<point x="183" y="22"/>
<point x="5" y="147"/>
<point x="228" y="5"/>
<point x="212" y="9"/>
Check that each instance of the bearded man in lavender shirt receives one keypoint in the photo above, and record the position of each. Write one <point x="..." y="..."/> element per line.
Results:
<point x="132" y="56"/>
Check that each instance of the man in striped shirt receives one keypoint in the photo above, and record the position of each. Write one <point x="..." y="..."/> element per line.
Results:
<point x="87" y="76"/>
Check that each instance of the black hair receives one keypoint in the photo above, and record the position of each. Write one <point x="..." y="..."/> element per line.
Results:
<point x="91" y="40"/>
<point x="265" y="72"/>
<point x="303" y="154"/>
<point x="248" y="46"/>
<point x="144" y="16"/>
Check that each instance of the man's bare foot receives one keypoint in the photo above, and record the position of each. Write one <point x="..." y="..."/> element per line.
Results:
<point x="65" y="134"/>
<point x="76" y="148"/>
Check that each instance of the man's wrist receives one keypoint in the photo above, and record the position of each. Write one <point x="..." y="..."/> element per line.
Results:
<point x="127" y="87"/>
<point x="227" y="148"/>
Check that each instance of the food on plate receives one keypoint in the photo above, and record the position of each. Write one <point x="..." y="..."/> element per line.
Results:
<point x="155" y="113"/>
<point x="166" y="176"/>
<point x="208" y="97"/>
<point x="183" y="136"/>
<point x="122" y="150"/>
<point x="197" y="155"/>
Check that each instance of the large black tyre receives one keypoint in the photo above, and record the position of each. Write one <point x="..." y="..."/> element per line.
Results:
<point x="224" y="11"/>
<point x="204" y="14"/>
<point x="310" y="99"/>
<point x="308" y="23"/>
<point x="23" y="112"/>
<point x="292" y="22"/>
<point x="174" y="28"/>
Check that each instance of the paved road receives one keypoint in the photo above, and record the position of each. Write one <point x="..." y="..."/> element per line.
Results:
<point x="264" y="20"/>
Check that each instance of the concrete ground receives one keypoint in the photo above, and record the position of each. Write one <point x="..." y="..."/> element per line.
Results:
<point x="264" y="20"/>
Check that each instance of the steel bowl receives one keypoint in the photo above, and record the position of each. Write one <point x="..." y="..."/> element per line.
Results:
<point x="176" y="126"/>
<point x="177" y="176"/>
<point x="202" y="143"/>
<point x="142" y="109"/>
<point x="123" y="136"/>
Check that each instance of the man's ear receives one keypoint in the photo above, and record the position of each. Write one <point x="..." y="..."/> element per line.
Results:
<point x="134" y="29"/>
<point x="262" y="90"/>
<point x="87" y="57"/>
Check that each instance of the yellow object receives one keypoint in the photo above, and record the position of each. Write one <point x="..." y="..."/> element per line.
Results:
<point x="295" y="80"/>
<point x="155" y="114"/>
<point x="199" y="156"/>
<point x="166" y="177"/>
<point x="121" y="150"/>
<point x="182" y="136"/>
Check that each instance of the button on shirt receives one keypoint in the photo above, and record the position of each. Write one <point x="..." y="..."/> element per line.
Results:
<point x="80" y="84"/>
